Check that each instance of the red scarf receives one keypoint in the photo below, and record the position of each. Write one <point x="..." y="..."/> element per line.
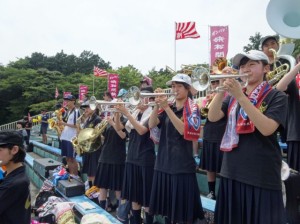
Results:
<point x="243" y="124"/>
<point x="298" y="83"/>
<point x="192" y="120"/>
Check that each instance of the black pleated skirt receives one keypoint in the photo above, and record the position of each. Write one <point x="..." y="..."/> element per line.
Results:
<point x="293" y="155"/>
<point x="109" y="176"/>
<point x="242" y="203"/>
<point x="90" y="162"/>
<point x="137" y="184"/>
<point x="211" y="157"/>
<point x="176" y="196"/>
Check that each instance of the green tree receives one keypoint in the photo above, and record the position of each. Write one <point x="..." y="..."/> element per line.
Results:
<point x="297" y="48"/>
<point x="254" y="42"/>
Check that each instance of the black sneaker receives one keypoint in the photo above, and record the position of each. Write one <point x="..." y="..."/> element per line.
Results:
<point x="211" y="195"/>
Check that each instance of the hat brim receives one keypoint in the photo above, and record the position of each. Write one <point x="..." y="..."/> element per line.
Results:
<point x="237" y="58"/>
<point x="264" y="39"/>
<point x="10" y="143"/>
<point x="169" y="83"/>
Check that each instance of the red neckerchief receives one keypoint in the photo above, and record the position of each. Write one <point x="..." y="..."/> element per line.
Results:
<point x="244" y="125"/>
<point x="298" y="84"/>
<point x="192" y="120"/>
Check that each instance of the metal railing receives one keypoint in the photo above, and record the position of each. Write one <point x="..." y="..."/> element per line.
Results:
<point x="13" y="125"/>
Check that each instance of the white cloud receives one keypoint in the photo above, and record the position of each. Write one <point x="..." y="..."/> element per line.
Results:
<point x="137" y="32"/>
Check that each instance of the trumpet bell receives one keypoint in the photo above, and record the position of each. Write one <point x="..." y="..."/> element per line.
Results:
<point x="284" y="17"/>
<point x="219" y="65"/>
<point x="285" y="171"/>
<point x="134" y="95"/>
<point x="200" y="78"/>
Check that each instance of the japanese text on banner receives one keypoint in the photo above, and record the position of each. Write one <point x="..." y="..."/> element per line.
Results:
<point x="218" y="42"/>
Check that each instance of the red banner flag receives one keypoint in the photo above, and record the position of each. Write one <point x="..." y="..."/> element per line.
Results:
<point x="56" y="93"/>
<point x="113" y="84"/>
<point x="98" y="72"/>
<point x="218" y="42"/>
<point x="83" y="90"/>
<point x="186" y="30"/>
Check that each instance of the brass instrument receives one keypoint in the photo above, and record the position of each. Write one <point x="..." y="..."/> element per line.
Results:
<point x="89" y="139"/>
<point x="284" y="18"/>
<point x="204" y="110"/>
<point x="54" y="122"/>
<point x="219" y="64"/>
<point x="201" y="79"/>
<point x="273" y="77"/>
<point x="76" y="146"/>
<point x="103" y="104"/>
<point x="188" y="69"/>
<point x="80" y="121"/>
<point x="149" y="95"/>
<point x="169" y="69"/>
<point x="37" y="119"/>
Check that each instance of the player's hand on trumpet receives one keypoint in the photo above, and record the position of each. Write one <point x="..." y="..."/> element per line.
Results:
<point x="233" y="87"/>
<point x="161" y="101"/>
<point x="122" y="109"/>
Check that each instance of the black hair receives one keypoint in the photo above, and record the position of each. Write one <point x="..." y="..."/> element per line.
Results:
<point x="270" y="38"/>
<point x="244" y="60"/>
<point x="97" y="111"/>
<point x="187" y="87"/>
<point x="107" y="93"/>
<point x="21" y="122"/>
<point x="19" y="157"/>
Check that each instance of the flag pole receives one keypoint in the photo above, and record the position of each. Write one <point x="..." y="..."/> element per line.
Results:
<point x="175" y="50"/>
<point x="208" y="45"/>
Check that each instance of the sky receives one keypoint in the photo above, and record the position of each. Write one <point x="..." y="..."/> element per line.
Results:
<point x="136" y="32"/>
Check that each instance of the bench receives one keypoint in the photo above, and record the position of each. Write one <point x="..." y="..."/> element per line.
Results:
<point x="97" y="209"/>
<point x="54" y="140"/>
<point x="208" y="204"/>
<point x="47" y="151"/>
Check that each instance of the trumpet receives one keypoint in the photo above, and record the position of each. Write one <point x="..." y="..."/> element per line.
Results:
<point x="201" y="79"/>
<point x="135" y="102"/>
<point x="94" y="103"/>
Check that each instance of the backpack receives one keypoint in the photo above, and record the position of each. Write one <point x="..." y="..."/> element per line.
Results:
<point x="42" y="197"/>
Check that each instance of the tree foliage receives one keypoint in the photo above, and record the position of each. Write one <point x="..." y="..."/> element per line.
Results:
<point x="66" y="64"/>
<point x="254" y="42"/>
<point x="28" y="84"/>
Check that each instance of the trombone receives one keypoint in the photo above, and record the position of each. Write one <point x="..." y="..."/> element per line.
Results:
<point x="201" y="79"/>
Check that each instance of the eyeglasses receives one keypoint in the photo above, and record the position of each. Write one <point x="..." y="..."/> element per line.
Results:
<point x="215" y="82"/>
